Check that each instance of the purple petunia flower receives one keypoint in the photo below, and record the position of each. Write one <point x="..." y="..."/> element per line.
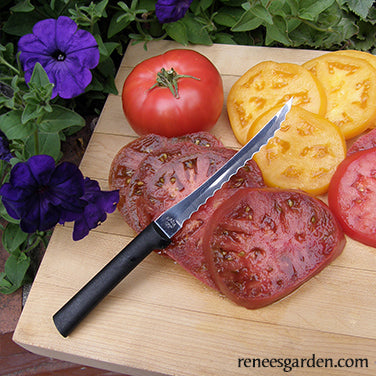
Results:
<point x="98" y="204"/>
<point x="40" y="194"/>
<point x="66" y="53"/>
<point x="171" y="10"/>
<point x="5" y="154"/>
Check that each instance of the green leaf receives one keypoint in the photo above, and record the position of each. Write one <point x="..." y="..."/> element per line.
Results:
<point x="277" y="32"/>
<point x="23" y="6"/>
<point x="60" y="118"/>
<point x="6" y="287"/>
<point x="30" y="112"/>
<point x="366" y="36"/>
<point x="105" y="81"/>
<point x="13" y="237"/>
<point x="100" y="8"/>
<point x="39" y="76"/>
<point x="101" y="47"/>
<point x="48" y="143"/>
<point x="177" y="31"/>
<point x="228" y="16"/>
<point x="11" y="125"/>
<point x="247" y="22"/>
<point x="20" y="24"/>
<point x="198" y="6"/>
<point x="196" y="31"/>
<point x="361" y="8"/>
<point x="224" y="38"/>
<point x="312" y="10"/>
<point x="233" y="3"/>
<point x="4" y="214"/>
<point x="294" y="6"/>
<point x="148" y="5"/>
<point x="262" y="13"/>
<point x="110" y="47"/>
<point x="15" y="269"/>
<point x="116" y="25"/>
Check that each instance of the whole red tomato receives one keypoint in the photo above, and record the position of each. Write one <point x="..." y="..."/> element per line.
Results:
<point x="173" y="94"/>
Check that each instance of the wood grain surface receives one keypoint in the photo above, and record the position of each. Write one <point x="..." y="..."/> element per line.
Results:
<point x="162" y="321"/>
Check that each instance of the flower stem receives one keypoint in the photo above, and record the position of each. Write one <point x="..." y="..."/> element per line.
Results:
<point x="36" y="142"/>
<point x="10" y="66"/>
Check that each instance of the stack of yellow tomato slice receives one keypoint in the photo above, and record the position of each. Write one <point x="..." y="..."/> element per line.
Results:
<point x="334" y="101"/>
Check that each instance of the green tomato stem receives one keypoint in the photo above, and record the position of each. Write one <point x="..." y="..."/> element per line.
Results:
<point x="169" y="79"/>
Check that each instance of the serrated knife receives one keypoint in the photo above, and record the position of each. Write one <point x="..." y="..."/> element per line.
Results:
<point x="158" y="234"/>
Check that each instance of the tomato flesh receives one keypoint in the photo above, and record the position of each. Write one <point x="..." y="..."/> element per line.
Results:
<point x="350" y="86"/>
<point x="187" y="247"/>
<point x="128" y="160"/>
<point x="269" y="84"/>
<point x="304" y="153"/>
<point x="364" y="142"/>
<point x="166" y="176"/>
<point x="263" y="243"/>
<point x="352" y="196"/>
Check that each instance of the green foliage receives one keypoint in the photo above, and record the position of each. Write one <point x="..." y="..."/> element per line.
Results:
<point x="35" y="124"/>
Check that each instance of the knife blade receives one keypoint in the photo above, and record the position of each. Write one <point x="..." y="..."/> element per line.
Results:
<point x="158" y="234"/>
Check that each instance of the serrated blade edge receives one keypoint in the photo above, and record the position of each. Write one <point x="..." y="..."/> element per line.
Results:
<point x="172" y="220"/>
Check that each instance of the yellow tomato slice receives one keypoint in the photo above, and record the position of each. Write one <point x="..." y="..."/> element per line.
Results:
<point x="350" y="86"/>
<point x="270" y="84"/>
<point x="304" y="154"/>
<point x="358" y="54"/>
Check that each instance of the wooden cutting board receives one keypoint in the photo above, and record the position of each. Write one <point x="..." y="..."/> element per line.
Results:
<point x="162" y="321"/>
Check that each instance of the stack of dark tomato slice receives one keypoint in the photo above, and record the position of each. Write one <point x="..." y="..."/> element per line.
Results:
<point x="253" y="244"/>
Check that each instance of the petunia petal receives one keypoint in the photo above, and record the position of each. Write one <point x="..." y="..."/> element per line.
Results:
<point x="109" y="201"/>
<point x="90" y="219"/>
<point x="83" y="41"/>
<point x="65" y="31"/>
<point x="31" y="43"/>
<point x="11" y="198"/>
<point x="85" y="57"/>
<point x="45" y="31"/>
<point x="22" y="177"/>
<point x="171" y="10"/>
<point x="67" y="187"/>
<point x="68" y="177"/>
<point x="41" y="216"/>
<point x="71" y="79"/>
<point x="42" y="167"/>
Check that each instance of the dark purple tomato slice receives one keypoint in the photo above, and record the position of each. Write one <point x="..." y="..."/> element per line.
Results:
<point x="127" y="161"/>
<point x="166" y="176"/>
<point x="129" y="158"/>
<point x="364" y="142"/>
<point x="187" y="247"/>
<point x="263" y="243"/>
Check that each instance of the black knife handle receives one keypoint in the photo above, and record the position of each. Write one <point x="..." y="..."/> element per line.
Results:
<point x="76" y="309"/>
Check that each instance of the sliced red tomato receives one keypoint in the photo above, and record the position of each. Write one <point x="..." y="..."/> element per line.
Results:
<point x="164" y="179"/>
<point x="364" y="142"/>
<point x="151" y="180"/>
<point x="186" y="247"/>
<point x="173" y="94"/>
<point x="129" y="158"/>
<point x="166" y="176"/>
<point x="125" y="164"/>
<point x="352" y="196"/>
<point x="262" y="243"/>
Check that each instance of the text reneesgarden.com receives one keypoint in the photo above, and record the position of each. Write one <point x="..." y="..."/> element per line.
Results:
<point x="288" y="364"/>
